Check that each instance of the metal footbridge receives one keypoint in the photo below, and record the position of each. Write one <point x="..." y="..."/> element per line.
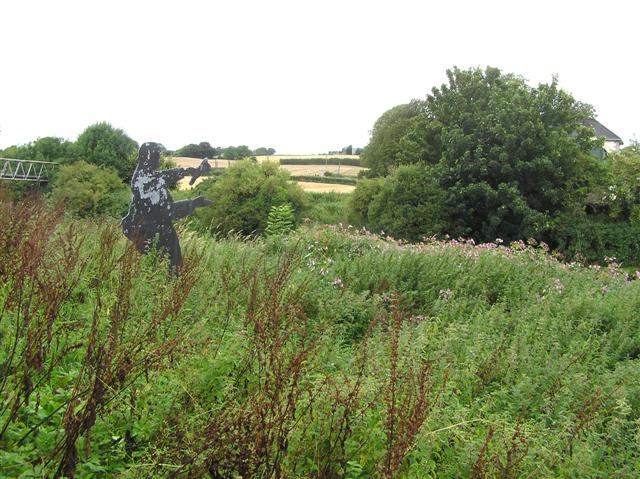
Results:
<point x="26" y="170"/>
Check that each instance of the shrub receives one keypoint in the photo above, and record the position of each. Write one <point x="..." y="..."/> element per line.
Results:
<point x="281" y="220"/>
<point x="358" y="208"/>
<point x="236" y="152"/>
<point x="90" y="190"/>
<point x="593" y="239"/>
<point x="409" y="204"/>
<point x="243" y="196"/>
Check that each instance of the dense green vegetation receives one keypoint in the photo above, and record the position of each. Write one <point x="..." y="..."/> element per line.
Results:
<point x="327" y="208"/>
<point x="325" y="353"/>
<point x="89" y="190"/>
<point x="243" y="197"/>
<point x="500" y="159"/>
<point x="103" y="145"/>
<point x="103" y="158"/>
<point x="263" y="151"/>
<point x="381" y="154"/>
<point x="236" y="152"/>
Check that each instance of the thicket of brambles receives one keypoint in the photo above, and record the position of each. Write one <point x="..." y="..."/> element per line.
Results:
<point x="325" y="352"/>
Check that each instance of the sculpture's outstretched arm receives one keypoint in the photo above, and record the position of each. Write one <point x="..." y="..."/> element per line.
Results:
<point x="172" y="176"/>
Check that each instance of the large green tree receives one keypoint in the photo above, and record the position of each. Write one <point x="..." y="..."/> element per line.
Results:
<point x="381" y="154"/>
<point x="236" y="152"/>
<point x="262" y="151"/>
<point x="509" y="156"/>
<point x="103" y="145"/>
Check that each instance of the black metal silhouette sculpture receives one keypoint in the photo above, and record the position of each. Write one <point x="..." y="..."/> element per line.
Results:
<point x="152" y="210"/>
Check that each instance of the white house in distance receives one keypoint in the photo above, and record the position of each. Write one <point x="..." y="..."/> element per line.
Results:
<point x="612" y="142"/>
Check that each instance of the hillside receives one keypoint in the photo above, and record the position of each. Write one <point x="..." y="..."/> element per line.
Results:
<point x="326" y="353"/>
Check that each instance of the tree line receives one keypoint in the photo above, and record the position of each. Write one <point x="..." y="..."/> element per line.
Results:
<point x="205" y="150"/>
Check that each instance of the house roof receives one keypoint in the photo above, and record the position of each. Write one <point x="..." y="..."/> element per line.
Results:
<point x="601" y="130"/>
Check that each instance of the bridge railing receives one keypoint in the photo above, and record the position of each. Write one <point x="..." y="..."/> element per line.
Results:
<point x="26" y="170"/>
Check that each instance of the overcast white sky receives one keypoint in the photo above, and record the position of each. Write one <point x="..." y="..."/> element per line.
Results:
<point x="299" y="76"/>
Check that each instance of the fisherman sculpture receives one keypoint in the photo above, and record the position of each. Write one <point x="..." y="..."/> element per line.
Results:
<point x="152" y="210"/>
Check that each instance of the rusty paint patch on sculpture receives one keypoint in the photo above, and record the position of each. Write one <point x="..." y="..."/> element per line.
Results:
<point x="152" y="210"/>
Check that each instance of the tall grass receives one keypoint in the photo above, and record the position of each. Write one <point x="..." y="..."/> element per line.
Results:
<point x="327" y="208"/>
<point x="328" y="353"/>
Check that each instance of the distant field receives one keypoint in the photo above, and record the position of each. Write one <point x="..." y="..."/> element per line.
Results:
<point x="319" y="157"/>
<point x="300" y="170"/>
<point x="325" y="187"/>
<point x="296" y="170"/>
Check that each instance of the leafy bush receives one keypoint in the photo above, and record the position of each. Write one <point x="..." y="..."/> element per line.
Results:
<point x="88" y="190"/>
<point x="243" y="196"/>
<point x="410" y="204"/>
<point x="361" y="198"/>
<point x="262" y="151"/>
<point x="622" y="196"/>
<point x="595" y="238"/>
<point x="321" y="161"/>
<point x="48" y="148"/>
<point x="281" y="220"/>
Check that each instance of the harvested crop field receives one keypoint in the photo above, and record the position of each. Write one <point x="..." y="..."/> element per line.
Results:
<point x="277" y="158"/>
<point x="319" y="170"/>
<point x="325" y="187"/>
<point x="184" y="162"/>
